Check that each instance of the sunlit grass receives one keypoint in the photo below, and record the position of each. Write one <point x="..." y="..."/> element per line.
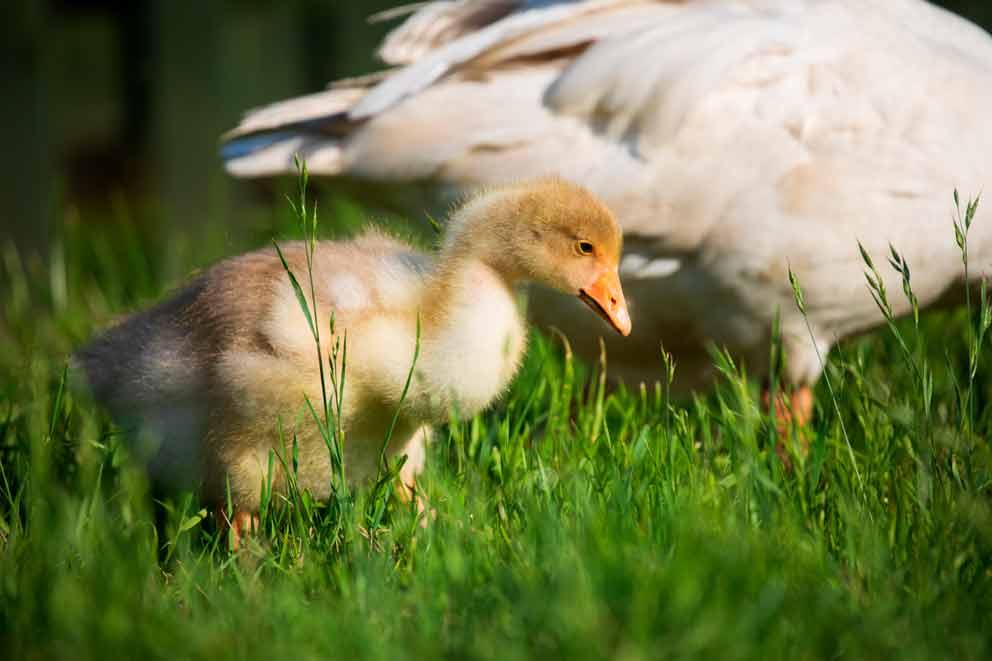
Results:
<point x="571" y="520"/>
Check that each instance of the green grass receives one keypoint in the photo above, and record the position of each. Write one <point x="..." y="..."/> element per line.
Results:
<point x="570" y="522"/>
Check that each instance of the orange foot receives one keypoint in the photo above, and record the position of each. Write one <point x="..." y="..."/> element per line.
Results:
<point x="794" y="408"/>
<point x="243" y="523"/>
<point x="406" y="490"/>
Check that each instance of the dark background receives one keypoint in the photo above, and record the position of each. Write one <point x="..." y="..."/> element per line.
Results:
<point x="113" y="108"/>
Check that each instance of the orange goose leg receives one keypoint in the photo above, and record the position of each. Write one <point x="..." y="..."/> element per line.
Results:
<point x="794" y="407"/>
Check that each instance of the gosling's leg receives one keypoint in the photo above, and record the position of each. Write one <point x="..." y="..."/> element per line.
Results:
<point x="407" y="490"/>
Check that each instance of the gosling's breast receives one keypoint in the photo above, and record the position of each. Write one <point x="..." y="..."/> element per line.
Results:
<point x="472" y="357"/>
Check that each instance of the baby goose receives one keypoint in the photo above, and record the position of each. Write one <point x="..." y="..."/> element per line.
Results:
<point x="210" y="374"/>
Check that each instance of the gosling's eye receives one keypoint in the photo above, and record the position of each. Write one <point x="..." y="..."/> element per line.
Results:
<point x="584" y="248"/>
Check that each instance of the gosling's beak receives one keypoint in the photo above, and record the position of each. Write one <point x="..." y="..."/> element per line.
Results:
<point x="605" y="296"/>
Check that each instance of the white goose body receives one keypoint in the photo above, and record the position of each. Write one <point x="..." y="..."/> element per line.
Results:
<point x="212" y="376"/>
<point x="734" y="139"/>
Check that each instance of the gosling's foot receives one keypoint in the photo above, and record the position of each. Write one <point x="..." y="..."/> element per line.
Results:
<point x="407" y="492"/>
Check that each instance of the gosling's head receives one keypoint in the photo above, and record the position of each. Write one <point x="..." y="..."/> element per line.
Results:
<point x="552" y="232"/>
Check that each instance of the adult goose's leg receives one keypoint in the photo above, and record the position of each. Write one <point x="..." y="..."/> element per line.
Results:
<point x="241" y="524"/>
<point x="792" y="408"/>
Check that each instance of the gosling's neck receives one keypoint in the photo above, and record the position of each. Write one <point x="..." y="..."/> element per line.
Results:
<point x="473" y="334"/>
<point x="462" y="265"/>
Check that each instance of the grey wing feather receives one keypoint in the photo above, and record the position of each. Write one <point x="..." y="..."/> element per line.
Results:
<point x="434" y="24"/>
<point x="435" y="64"/>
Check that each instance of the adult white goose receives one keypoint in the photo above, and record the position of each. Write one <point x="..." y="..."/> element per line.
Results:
<point x="208" y="375"/>
<point x="734" y="139"/>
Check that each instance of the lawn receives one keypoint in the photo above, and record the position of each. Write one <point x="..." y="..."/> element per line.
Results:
<point x="572" y="520"/>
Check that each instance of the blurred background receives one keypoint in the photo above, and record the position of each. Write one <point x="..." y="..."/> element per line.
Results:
<point x="111" y="109"/>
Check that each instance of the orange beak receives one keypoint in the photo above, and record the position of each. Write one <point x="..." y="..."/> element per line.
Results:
<point x="605" y="297"/>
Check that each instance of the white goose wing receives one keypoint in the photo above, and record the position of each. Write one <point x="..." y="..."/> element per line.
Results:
<point x="471" y="110"/>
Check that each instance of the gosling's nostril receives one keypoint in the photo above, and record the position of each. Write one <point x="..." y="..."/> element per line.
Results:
<point x="613" y="300"/>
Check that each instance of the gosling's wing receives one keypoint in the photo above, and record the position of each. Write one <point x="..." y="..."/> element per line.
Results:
<point x="255" y="308"/>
